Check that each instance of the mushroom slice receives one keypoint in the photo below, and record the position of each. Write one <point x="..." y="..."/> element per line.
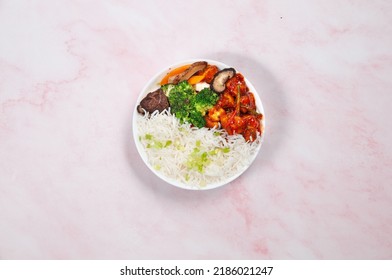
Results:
<point x="192" y="70"/>
<point x="218" y="83"/>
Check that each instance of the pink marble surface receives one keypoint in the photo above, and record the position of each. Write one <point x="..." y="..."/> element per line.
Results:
<point x="72" y="185"/>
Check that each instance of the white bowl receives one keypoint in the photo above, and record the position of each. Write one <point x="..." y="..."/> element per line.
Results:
<point x="152" y="85"/>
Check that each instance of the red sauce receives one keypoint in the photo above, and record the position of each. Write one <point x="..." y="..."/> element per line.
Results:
<point x="235" y="110"/>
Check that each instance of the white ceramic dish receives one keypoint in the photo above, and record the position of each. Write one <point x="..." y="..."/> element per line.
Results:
<point x="152" y="85"/>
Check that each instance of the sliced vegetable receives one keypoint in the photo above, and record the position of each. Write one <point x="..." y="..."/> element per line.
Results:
<point x="195" y="79"/>
<point x="206" y="76"/>
<point x="174" y="72"/>
<point x="192" y="70"/>
<point x="238" y="101"/>
<point x="218" y="84"/>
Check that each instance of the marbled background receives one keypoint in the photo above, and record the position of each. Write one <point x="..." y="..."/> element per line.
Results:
<point x="72" y="185"/>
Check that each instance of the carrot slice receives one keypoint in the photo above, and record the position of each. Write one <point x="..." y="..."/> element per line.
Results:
<point x="174" y="72"/>
<point x="195" y="79"/>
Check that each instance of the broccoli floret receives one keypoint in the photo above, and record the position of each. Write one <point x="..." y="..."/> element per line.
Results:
<point x="180" y="104"/>
<point x="187" y="105"/>
<point x="184" y="86"/>
<point x="205" y="100"/>
<point x="180" y="99"/>
<point x="167" y="88"/>
<point x="196" y="118"/>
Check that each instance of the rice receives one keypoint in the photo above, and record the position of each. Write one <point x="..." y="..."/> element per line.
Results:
<point x="194" y="157"/>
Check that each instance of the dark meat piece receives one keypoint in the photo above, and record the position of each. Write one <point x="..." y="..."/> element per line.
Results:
<point x="155" y="100"/>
